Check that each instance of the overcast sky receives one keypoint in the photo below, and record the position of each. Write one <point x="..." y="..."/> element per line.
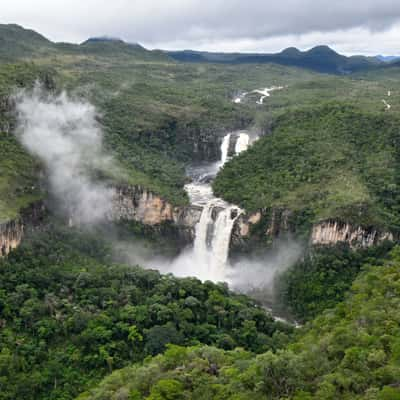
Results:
<point x="349" y="26"/>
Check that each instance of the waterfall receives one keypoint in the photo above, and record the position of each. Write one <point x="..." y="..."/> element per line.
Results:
<point x="242" y="142"/>
<point x="201" y="244"/>
<point x="224" y="149"/>
<point x="213" y="231"/>
<point x="222" y="235"/>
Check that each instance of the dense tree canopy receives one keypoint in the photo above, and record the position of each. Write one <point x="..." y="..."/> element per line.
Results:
<point x="68" y="316"/>
<point x="351" y="352"/>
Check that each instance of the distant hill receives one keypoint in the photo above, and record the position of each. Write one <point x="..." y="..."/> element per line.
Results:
<point x="320" y="59"/>
<point x="388" y="59"/>
<point x="18" y="43"/>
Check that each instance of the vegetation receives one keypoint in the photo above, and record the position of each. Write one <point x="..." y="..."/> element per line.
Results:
<point x="332" y="161"/>
<point x="349" y="352"/>
<point x="18" y="180"/>
<point x="322" y="278"/>
<point x="19" y="171"/>
<point x="320" y="58"/>
<point x="68" y="316"/>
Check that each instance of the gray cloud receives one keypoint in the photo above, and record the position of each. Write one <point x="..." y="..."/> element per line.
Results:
<point x="198" y="22"/>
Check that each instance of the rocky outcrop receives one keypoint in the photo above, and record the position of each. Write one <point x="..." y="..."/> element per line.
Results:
<point x="13" y="231"/>
<point x="265" y="226"/>
<point x="260" y="228"/>
<point x="333" y="232"/>
<point x="134" y="203"/>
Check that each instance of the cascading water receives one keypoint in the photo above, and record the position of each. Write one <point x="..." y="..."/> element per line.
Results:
<point x="242" y="142"/>
<point x="225" y="148"/>
<point x="213" y="231"/>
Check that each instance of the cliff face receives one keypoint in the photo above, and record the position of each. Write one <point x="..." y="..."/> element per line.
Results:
<point x="266" y="226"/>
<point x="260" y="228"/>
<point x="140" y="205"/>
<point x="332" y="232"/>
<point x="12" y="232"/>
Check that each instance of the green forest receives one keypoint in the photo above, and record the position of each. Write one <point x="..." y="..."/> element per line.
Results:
<point x="351" y="351"/>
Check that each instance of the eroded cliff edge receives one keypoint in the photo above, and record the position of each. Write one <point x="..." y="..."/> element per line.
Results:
<point x="266" y="226"/>
<point x="12" y="231"/>
<point x="135" y="203"/>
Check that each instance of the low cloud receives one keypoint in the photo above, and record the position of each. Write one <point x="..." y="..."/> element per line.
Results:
<point x="64" y="134"/>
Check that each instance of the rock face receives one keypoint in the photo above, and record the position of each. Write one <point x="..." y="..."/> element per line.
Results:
<point x="263" y="227"/>
<point x="260" y="228"/>
<point x="140" y="205"/>
<point x="12" y="232"/>
<point x="332" y="232"/>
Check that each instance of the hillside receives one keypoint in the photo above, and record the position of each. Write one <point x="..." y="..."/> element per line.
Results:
<point x="18" y="43"/>
<point x="332" y="161"/>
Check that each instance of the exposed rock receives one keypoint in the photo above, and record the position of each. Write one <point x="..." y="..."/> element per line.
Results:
<point x="13" y="231"/>
<point x="140" y="205"/>
<point x="332" y="232"/>
<point x="264" y="227"/>
<point x="273" y="223"/>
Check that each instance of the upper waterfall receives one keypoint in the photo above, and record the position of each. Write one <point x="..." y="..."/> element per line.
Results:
<point x="225" y="148"/>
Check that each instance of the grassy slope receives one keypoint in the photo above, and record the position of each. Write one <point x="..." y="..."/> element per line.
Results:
<point x="19" y="171"/>
<point x="334" y="160"/>
<point x="350" y="352"/>
<point x="18" y="183"/>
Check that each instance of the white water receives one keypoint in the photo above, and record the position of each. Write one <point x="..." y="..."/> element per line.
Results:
<point x="208" y="259"/>
<point x="386" y="104"/>
<point x="222" y="236"/>
<point x="265" y="92"/>
<point x="225" y="148"/>
<point x="242" y="142"/>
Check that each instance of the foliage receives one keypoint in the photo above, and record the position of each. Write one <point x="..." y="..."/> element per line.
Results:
<point x="18" y="183"/>
<point x="333" y="161"/>
<point x="350" y="352"/>
<point x="68" y="317"/>
<point x="321" y="280"/>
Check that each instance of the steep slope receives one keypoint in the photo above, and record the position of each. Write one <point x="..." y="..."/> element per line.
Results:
<point x="331" y="162"/>
<point x="17" y="42"/>
<point x="19" y="186"/>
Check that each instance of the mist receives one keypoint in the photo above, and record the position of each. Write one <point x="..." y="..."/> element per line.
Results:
<point x="64" y="134"/>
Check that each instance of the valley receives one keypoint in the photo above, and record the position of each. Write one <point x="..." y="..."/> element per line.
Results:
<point x="193" y="225"/>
